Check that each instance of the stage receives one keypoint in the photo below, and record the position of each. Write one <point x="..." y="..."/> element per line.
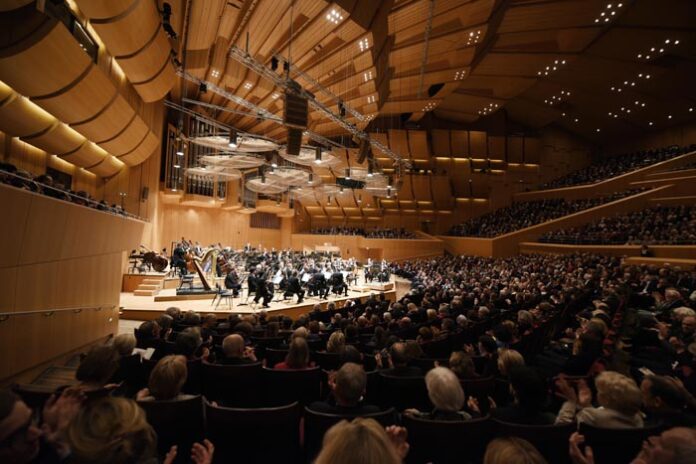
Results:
<point x="146" y="307"/>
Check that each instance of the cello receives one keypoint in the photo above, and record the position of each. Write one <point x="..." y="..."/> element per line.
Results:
<point x="156" y="261"/>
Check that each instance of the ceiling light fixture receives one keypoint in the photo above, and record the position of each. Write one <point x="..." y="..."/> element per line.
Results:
<point x="364" y="44"/>
<point x="233" y="139"/>
<point x="334" y="16"/>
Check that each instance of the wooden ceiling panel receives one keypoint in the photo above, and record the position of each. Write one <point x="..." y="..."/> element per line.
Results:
<point x="551" y="15"/>
<point x="495" y="87"/>
<point x="546" y="41"/>
<point x="520" y="64"/>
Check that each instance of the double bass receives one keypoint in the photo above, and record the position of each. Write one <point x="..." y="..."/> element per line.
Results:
<point x="154" y="260"/>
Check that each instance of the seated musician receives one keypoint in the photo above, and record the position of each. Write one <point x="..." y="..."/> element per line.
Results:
<point x="338" y="286"/>
<point x="294" y="288"/>
<point x="179" y="258"/>
<point x="318" y="285"/>
<point x="232" y="283"/>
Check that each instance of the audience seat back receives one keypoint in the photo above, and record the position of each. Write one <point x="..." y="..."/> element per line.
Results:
<point x="254" y="436"/>
<point x="445" y="442"/>
<point x="287" y="386"/>
<point x="177" y="422"/>
<point x="616" y="445"/>
<point x="316" y="424"/>
<point x="403" y="393"/>
<point x="233" y="386"/>
<point x="274" y="356"/>
<point x="428" y="363"/>
<point x="327" y="361"/>
<point x="550" y="440"/>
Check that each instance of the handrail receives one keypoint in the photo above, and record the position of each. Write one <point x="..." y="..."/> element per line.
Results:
<point x="26" y="182"/>
<point x="50" y="312"/>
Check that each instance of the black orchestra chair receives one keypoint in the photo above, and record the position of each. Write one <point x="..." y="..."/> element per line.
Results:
<point x="177" y="422"/>
<point x="445" y="442"/>
<point x="551" y="440"/>
<point x="258" y="435"/>
<point x="237" y="386"/>
<point x="616" y="445"/>
<point x="317" y="423"/>
<point x="283" y="386"/>
<point x="403" y="392"/>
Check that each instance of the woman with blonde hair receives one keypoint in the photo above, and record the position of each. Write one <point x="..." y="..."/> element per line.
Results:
<point x="336" y="343"/>
<point x="507" y="359"/>
<point x="166" y="380"/>
<point x="364" y="441"/>
<point x="512" y="450"/>
<point x="618" y="396"/>
<point x="462" y="365"/>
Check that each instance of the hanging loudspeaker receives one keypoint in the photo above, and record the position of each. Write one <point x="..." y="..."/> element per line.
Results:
<point x="294" y="141"/>
<point x="365" y="149"/>
<point x="296" y="114"/>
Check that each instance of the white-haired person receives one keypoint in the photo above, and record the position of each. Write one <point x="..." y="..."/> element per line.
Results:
<point x="618" y="396"/>
<point x="446" y="395"/>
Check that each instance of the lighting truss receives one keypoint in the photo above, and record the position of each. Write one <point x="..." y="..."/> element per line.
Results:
<point x="247" y="60"/>
<point x="359" y="116"/>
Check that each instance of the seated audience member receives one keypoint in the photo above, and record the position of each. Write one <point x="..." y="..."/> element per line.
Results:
<point x="97" y="368"/>
<point x="166" y="380"/>
<point x="673" y="446"/>
<point x="508" y="359"/>
<point x="587" y="348"/>
<point x="665" y="401"/>
<point x="190" y="344"/>
<point x="446" y="395"/>
<point x="24" y="441"/>
<point x="462" y="365"/>
<point x="512" y="450"/>
<point x="236" y="352"/>
<point x="397" y="362"/>
<point x="529" y="393"/>
<point x="350" y="354"/>
<point x="363" y="441"/>
<point x="488" y="349"/>
<point x="166" y="324"/>
<point x="116" y="431"/>
<point x="148" y="335"/>
<point x="297" y="357"/>
<point x="348" y="386"/>
<point x="618" y="396"/>
<point x="124" y="344"/>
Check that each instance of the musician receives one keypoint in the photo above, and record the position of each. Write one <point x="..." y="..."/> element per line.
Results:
<point x="318" y="285"/>
<point x="294" y="288"/>
<point x="338" y="286"/>
<point x="198" y="250"/>
<point x="261" y="288"/>
<point x="232" y="283"/>
<point x="179" y="258"/>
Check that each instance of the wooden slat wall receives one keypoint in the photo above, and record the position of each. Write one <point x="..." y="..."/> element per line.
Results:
<point x="441" y="142"/>
<point x="58" y="255"/>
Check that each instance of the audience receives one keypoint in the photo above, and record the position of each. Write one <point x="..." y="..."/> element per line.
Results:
<point x="348" y="386"/>
<point x="166" y="380"/>
<point x="511" y="450"/>
<point x="235" y="352"/>
<point x="613" y="166"/>
<point x="298" y="356"/>
<point x="380" y="232"/>
<point x="44" y="184"/>
<point x="446" y="395"/>
<point x="522" y="215"/>
<point x="652" y="226"/>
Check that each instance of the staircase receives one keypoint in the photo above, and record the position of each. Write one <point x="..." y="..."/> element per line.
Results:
<point x="149" y="287"/>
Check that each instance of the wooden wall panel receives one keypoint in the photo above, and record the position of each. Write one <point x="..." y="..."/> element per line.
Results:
<point x="418" y="145"/>
<point x="19" y="117"/>
<point x="45" y="62"/>
<point x="478" y="144"/>
<point x="496" y="147"/>
<point x="109" y="122"/>
<point x="532" y="150"/>
<point x="8" y="5"/>
<point x="101" y="9"/>
<point x="459" y="143"/>
<point x="398" y="142"/>
<point x="58" y="255"/>
<point x="86" y="156"/>
<point x="515" y="149"/>
<point x="58" y="140"/>
<point x="441" y="142"/>
<point x="118" y="32"/>
<point x="81" y="101"/>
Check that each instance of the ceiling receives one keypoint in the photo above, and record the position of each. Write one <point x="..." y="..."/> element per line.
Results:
<point x="581" y="64"/>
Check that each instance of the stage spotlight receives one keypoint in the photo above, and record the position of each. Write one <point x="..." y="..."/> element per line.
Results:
<point x="317" y="155"/>
<point x="274" y="63"/>
<point x="202" y="87"/>
<point x="347" y="173"/>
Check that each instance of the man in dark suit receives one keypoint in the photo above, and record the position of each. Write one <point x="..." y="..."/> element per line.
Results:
<point x="235" y="351"/>
<point x="294" y="288"/>
<point x="397" y="363"/>
<point x="338" y="286"/>
<point x="232" y="283"/>
<point x="261" y="289"/>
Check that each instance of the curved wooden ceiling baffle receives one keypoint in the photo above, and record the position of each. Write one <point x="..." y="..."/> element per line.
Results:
<point x="46" y="64"/>
<point x="131" y="32"/>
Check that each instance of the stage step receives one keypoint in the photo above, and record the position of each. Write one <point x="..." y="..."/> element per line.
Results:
<point x="146" y="292"/>
<point x="157" y="282"/>
<point x="149" y="287"/>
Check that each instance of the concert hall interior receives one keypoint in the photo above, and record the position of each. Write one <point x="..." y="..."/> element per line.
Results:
<point x="348" y="231"/>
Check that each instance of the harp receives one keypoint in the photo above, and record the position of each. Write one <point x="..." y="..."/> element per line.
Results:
<point x="205" y="267"/>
